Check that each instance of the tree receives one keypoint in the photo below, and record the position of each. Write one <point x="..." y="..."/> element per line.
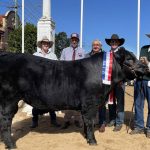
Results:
<point x="15" y="39"/>
<point x="61" y="41"/>
<point x="30" y="38"/>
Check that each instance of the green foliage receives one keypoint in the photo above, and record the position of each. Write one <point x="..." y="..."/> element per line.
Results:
<point x="15" y="39"/>
<point x="30" y="38"/>
<point x="61" y="42"/>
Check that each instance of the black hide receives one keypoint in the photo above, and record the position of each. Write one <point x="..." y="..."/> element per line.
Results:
<point x="58" y="85"/>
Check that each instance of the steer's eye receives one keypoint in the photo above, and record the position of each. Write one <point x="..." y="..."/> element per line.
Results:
<point x="128" y="62"/>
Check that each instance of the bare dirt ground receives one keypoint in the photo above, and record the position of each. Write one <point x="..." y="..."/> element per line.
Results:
<point x="46" y="137"/>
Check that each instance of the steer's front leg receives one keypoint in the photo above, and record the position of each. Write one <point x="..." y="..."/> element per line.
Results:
<point x="5" y="124"/>
<point x="6" y="133"/>
<point x="89" y="125"/>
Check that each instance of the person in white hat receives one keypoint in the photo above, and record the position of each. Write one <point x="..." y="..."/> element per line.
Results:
<point x="73" y="52"/>
<point x="45" y="44"/>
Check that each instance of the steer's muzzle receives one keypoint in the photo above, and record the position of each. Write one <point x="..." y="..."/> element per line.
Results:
<point x="141" y="69"/>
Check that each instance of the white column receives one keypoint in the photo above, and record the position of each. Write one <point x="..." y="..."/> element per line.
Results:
<point x="138" y="30"/>
<point x="22" y="26"/>
<point x="81" y="23"/>
<point x="47" y="9"/>
<point x="46" y="26"/>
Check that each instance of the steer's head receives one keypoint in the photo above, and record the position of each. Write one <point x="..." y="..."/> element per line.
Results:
<point x="131" y="66"/>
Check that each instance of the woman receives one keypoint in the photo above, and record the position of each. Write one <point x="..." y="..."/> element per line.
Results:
<point x="97" y="48"/>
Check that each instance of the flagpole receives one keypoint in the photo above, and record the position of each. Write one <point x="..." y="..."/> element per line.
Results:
<point x="138" y="30"/>
<point x="81" y="23"/>
<point x="22" y="26"/>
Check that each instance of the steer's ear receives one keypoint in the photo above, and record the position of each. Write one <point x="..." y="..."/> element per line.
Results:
<point x="121" y="51"/>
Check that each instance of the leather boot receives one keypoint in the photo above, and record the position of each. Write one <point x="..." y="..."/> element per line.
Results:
<point x="102" y="128"/>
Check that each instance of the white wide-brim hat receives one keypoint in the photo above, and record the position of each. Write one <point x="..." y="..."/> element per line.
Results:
<point x="44" y="39"/>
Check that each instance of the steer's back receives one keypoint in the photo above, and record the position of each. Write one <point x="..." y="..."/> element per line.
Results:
<point x="44" y="83"/>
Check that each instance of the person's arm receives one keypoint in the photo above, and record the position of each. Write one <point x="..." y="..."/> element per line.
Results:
<point x="55" y="57"/>
<point x="87" y="55"/>
<point x="83" y="53"/>
<point x="36" y="54"/>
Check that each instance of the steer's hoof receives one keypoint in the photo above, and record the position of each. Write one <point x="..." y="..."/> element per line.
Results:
<point x="92" y="142"/>
<point x="11" y="147"/>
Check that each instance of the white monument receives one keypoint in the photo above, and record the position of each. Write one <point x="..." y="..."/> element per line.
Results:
<point x="45" y="26"/>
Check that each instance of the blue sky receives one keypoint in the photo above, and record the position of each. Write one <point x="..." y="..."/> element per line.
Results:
<point x="102" y="18"/>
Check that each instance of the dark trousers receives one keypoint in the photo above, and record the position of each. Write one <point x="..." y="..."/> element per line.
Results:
<point x="36" y="112"/>
<point x="112" y="111"/>
<point x="116" y="110"/>
<point x="102" y="115"/>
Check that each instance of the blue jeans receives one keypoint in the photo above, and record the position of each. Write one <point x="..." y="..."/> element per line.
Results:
<point x="141" y="91"/>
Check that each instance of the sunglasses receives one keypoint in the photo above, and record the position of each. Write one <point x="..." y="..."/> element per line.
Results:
<point x="114" y="42"/>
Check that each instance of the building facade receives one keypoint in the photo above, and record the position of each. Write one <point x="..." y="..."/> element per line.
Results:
<point x="7" y="24"/>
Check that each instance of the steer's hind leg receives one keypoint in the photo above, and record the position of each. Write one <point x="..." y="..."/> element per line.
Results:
<point x="84" y="127"/>
<point x="89" y="129"/>
<point x="7" y="113"/>
<point x="85" y="130"/>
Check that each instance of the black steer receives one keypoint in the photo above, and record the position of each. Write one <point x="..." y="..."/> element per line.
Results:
<point x="59" y="85"/>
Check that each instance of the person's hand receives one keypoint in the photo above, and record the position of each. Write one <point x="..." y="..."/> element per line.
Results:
<point x="144" y="60"/>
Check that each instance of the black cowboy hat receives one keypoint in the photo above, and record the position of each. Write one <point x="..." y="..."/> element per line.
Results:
<point x="115" y="37"/>
<point x="148" y="35"/>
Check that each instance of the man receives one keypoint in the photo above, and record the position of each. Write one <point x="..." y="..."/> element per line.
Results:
<point x="116" y="112"/>
<point x="73" y="52"/>
<point x="142" y="91"/>
<point x="44" y="52"/>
